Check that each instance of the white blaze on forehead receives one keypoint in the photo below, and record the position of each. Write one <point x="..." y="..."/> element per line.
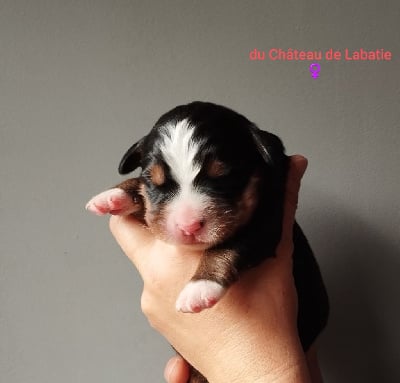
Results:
<point x="179" y="150"/>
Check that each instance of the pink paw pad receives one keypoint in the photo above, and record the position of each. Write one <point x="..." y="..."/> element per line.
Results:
<point x="199" y="295"/>
<point x="114" y="201"/>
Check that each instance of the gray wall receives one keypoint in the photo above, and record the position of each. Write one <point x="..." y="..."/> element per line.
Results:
<point x="81" y="80"/>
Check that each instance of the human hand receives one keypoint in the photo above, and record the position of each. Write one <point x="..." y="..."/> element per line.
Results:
<point x="251" y="334"/>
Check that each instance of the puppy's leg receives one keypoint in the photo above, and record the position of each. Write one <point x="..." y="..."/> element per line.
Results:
<point x="123" y="199"/>
<point x="216" y="272"/>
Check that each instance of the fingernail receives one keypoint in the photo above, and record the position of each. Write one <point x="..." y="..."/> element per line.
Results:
<point x="170" y="367"/>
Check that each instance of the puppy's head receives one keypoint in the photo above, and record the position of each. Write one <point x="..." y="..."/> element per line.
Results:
<point x="203" y="167"/>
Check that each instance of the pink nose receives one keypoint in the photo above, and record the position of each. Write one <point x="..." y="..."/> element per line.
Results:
<point x="190" y="228"/>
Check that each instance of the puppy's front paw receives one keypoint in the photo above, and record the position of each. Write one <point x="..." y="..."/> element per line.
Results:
<point x="114" y="201"/>
<point x="199" y="295"/>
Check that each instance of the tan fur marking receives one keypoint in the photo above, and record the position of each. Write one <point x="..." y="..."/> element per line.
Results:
<point x="157" y="175"/>
<point x="146" y="203"/>
<point x="216" y="169"/>
<point x="154" y="218"/>
<point x="249" y="200"/>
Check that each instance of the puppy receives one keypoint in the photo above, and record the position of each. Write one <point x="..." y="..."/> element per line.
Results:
<point x="212" y="180"/>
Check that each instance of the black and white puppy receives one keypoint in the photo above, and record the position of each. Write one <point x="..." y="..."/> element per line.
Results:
<point x="212" y="180"/>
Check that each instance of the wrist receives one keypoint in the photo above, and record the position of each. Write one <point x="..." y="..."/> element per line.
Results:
<point x="278" y="359"/>
<point x="293" y="373"/>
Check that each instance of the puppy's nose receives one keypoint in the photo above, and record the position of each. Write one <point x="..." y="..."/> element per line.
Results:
<point x="191" y="227"/>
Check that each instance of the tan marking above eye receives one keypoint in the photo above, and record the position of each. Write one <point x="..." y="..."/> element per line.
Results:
<point x="216" y="169"/>
<point x="157" y="175"/>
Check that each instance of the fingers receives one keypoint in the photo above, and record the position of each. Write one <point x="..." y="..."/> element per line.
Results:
<point x="299" y="163"/>
<point x="297" y="168"/>
<point x="176" y="370"/>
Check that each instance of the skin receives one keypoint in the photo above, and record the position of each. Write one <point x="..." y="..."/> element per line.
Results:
<point x="251" y="334"/>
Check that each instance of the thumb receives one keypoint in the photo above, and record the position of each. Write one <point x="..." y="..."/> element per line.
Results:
<point x="132" y="236"/>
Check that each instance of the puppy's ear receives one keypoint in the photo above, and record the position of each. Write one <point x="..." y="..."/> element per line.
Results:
<point x="269" y="146"/>
<point x="132" y="158"/>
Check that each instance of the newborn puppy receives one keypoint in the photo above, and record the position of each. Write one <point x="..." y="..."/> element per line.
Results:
<point x="210" y="179"/>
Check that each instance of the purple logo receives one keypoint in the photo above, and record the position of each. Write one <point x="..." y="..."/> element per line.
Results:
<point x="314" y="70"/>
